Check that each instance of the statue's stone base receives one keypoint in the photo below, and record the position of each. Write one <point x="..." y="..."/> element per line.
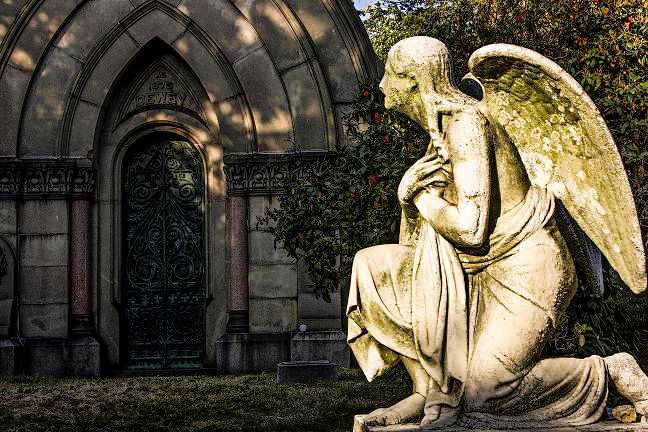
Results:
<point x="609" y="425"/>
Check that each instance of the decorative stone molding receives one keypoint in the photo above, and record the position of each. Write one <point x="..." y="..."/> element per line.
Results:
<point x="162" y="85"/>
<point x="45" y="179"/>
<point x="263" y="173"/>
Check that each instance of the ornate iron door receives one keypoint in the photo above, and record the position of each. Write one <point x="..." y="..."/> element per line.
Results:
<point x="164" y="256"/>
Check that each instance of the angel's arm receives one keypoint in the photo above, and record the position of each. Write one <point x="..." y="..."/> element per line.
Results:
<point x="466" y="222"/>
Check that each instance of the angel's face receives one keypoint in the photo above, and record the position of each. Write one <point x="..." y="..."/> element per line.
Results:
<point x="402" y="93"/>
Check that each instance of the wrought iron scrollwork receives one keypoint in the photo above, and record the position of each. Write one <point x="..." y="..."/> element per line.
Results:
<point x="164" y="256"/>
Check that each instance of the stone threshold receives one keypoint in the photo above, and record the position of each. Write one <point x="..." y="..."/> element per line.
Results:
<point x="607" y="425"/>
<point x="125" y="373"/>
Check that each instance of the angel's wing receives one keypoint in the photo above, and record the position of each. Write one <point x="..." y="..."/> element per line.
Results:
<point x="565" y="146"/>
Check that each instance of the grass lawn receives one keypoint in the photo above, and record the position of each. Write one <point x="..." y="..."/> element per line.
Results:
<point x="191" y="403"/>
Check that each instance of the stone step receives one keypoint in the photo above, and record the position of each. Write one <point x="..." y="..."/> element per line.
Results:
<point x="607" y="425"/>
<point x="306" y="371"/>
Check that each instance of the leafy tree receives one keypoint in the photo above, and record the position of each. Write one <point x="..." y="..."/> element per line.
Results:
<point x="349" y="201"/>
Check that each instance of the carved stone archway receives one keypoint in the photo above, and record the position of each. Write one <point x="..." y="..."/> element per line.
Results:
<point x="159" y="97"/>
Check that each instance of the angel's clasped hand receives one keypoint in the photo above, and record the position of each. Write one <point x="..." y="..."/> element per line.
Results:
<point x="425" y="173"/>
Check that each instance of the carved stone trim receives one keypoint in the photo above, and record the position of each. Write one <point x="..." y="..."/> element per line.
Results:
<point x="45" y="179"/>
<point x="263" y="173"/>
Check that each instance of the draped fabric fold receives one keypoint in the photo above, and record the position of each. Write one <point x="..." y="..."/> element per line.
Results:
<point x="472" y="319"/>
<point x="439" y="309"/>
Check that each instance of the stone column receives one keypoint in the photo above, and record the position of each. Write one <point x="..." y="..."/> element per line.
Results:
<point x="238" y="248"/>
<point x="81" y="309"/>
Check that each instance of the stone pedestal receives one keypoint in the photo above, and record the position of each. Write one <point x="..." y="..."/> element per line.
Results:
<point x="321" y="345"/>
<point x="306" y="371"/>
<point x="74" y="356"/>
<point x="608" y="425"/>
<point x="239" y="353"/>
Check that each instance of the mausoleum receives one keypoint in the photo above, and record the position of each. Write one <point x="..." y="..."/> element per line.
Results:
<point x="139" y="141"/>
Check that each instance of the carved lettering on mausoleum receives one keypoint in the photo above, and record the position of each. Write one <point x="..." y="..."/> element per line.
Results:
<point x="160" y="86"/>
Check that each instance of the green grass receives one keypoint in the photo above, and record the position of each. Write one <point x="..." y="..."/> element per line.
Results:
<point x="191" y="403"/>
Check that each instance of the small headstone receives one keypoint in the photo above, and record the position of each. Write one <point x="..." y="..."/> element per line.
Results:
<point x="625" y="413"/>
<point x="306" y="371"/>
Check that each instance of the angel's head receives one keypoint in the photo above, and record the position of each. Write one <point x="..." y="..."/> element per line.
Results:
<point x="418" y="79"/>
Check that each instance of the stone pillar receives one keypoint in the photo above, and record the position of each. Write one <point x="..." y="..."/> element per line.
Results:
<point x="238" y="248"/>
<point x="81" y="310"/>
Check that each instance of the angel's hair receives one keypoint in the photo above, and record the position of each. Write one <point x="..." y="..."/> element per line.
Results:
<point x="427" y="60"/>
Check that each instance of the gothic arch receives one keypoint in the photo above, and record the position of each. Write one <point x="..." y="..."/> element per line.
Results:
<point x="123" y="124"/>
<point x="307" y="67"/>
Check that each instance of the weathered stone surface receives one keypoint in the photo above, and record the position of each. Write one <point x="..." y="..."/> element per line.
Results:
<point x="45" y="104"/>
<point x="263" y="250"/>
<point x="43" y="285"/>
<point x="44" y="217"/>
<point x="314" y="312"/>
<point x="341" y="110"/>
<point x="321" y="345"/>
<point x="82" y="135"/>
<point x="82" y="357"/>
<point x="221" y="23"/>
<point x="7" y="288"/>
<point x="312" y="307"/>
<point x="77" y="356"/>
<point x="6" y="309"/>
<point x="625" y="413"/>
<point x="206" y="67"/>
<point x="44" y="250"/>
<point x="330" y="48"/>
<point x="156" y="24"/>
<point x="309" y="118"/>
<point x="13" y="88"/>
<point x="108" y="69"/>
<point x="90" y="24"/>
<point x="8" y="216"/>
<point x="244" y="353"/>
<point x="275" y="31"/>
<point x="8" y="14"/>
<point x="272" y="281"/>
<point x="44" y="320"/>
<point x="41" y="27"/>
<point x="293" y="372"/>
<point x="604" y="426"/>
<point x="273" y="315"/>
<point x="257" y="206"/>
<point x="270" y="108"/>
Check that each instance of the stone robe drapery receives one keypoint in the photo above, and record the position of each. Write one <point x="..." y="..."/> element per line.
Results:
<point x="516" y="289"/>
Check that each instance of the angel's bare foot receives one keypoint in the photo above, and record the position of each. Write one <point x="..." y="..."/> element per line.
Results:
<point x="401" y="412"/>
<point x="439" y="417"/>
<point x="629" y="380"/>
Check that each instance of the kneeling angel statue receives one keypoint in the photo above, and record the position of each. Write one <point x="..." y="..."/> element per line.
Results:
<point x="516" y="198"/>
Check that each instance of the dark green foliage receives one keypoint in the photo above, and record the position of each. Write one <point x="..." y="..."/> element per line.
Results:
<point x="351" y="203"/>
<point x="348" y="202"/>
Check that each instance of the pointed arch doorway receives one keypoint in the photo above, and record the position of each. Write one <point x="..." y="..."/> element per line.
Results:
<point x="163" y="254"/>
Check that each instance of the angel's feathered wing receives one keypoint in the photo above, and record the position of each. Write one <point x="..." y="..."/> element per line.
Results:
<point x="566" y="147"/>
